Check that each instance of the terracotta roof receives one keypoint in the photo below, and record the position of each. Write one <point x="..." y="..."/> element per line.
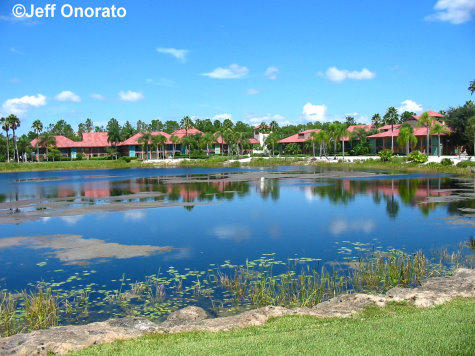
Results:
<point x="221" y="141"/>
<point x="299" y="137"/>
<point x="431" y="114"/>
<point x="353" y="128"/>
<point x="191" y="131"/>
<point x="418" y="131"/>
<point x="253" y="141"/>
<point x="388" y="127"/>
<point x="134" y="140"/>
<point x="61" y="142"/>
<point x="93" y="139"/>
<point x="259" y="126"/>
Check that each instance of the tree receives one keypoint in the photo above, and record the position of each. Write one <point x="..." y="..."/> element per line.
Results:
<point x="324" y="140"/>
<point x="186" y="123"/>
<point x="171" y="126"/>
<point x="338" y="132"/>
<point x="391" y="118"/>
<point x="174" y="140"/>
<point x="6" y="127"/>
<point x="438" y="129"/>
<point x="228" y="124"/>
<point x="427" y="121"/>
<point x="14" y="123"/>
<point x="458" y="119"/>
<point x="207" y="140"/>
<point x="47" y="140"/>
<point x="144" y="141"/>
<point x="406" y="115"/>
<point x="350" y="121"/>
<point x="406" y="137"/>
<point x="271" y="140"/>
<point x="114" y="133"/>
<point x="127" y="131"/>
<point x="471" y="87"/>
<point x="273" y="126"/>
<point x="159" y="141"/>
<point x="37" y="127"/>
<point x="142" y="126"/>
<point x="62" y="128"/>
<point x="156" y="125"/>
<point x="315" y="139"/>
<point x="471" y="129"/>
<point x="376" y="120"/>
<point x="88" y="126"/>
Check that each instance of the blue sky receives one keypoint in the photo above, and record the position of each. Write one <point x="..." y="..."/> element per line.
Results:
<point x="292" y="61"/>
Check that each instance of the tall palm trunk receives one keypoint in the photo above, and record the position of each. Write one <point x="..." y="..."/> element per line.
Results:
<point x="407" y="148"/>
<point x="8" y="147"/>
<point x="335" y="147"/>
<point x="438" y="146"/>
<point x="427" y="141"/>
<point x="16" y="147"/>
<point x="313" y="148"/>
<point x="343" y="148"/>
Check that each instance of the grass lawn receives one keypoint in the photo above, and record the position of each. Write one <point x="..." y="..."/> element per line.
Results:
<point x="65" y="165"/>
<point x="396" y="329"/>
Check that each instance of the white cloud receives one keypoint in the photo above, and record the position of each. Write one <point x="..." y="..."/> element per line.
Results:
<point x="409" y="105"/>
<point x="72" y="220"/>
<point x="453" y="11"/>
<point x="237" y="233"/>
<point x="179" y="54"/>
<point x="222" y="117"/>
<point x="340" y="226"/>
<point x="130" y="96"/>
<point x="252" y="91"/>
<point x="67" y="95"/>
<point x="314" y="112"/>
<point x="256" y="119"/>
<point x="338" y="75"/>
<point x="134" y="215"/>
<point x="98" y="97"/>
<point x="271" y="73"/>
<point x="234" y="71"/>
<point x="16" y="51"/>
<point x="19" y="106"/>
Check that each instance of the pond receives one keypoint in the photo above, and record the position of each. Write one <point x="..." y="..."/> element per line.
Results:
<point x="94" y="234"/>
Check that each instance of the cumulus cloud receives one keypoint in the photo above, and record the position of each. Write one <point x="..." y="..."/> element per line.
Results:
<point x="134" y="215"/>
<point x="256" y="119"/>
<point x="453" y="11"/>
<point x="179" y="54"/>
<point x="340" y="226"/>
<point x="314" y="112"/>
<point x="67" y="95"/>
<point x="271" y="73"/>
<point x="234" y="71"/>
<point x="98" y="97"/>
<point x="409" y="105"/>
<point x="19" y="106"/>
<point x="222" y="117"/>
<point x="338" y="75"/>
<point x="130" y="96"/>
<point x="252" y="91"/>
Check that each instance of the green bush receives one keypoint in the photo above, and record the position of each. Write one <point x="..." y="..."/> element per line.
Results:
<point x="398" y="159"/>
<point x="293" y="149"/>
<point x="465" y="164"/>
<point x="79" y="156"/>
<point x="126" y="159"/>
<point x="446" y="162"/>
<point x="417" y="157"/>
<point x="386" y="155"/>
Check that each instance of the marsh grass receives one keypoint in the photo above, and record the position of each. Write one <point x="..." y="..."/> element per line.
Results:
<point x="41" y="309"/>
<point x="8" y="324"/>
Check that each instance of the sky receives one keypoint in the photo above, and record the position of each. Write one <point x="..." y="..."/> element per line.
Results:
<point x="292" y="61"/>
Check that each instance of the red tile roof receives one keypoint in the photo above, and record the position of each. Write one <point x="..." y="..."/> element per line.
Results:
<point x="134" y="140"/>
<point x="418" y="131"/>
<point x="299" y="137"/>
<point x="388" y="127"/>
<point x="191" y="131"/>
<point x="431" y="114"/>
<point x="353" y="128"/>
<point x="221" y="141"/>
<point x="94" y="139"/>
<point x="61" y="142"/>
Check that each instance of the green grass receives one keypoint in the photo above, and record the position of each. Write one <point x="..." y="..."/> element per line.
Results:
<point x="68" y="165"/>
<point x="395" y="329"/>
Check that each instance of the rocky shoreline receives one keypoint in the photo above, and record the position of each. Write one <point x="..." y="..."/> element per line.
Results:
<point x="63" y="339"/>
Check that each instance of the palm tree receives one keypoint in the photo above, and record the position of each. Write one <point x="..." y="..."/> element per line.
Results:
<point x="37" y="127"/>
<point x="406" y="137"/>
<point x="6" y="127"/>
<point x="160" y="140"/>
<point x="272" y="140"/>
<point x="376" y="120"/>
<point x="144" y="141"/>
<point x="174" y="140"/>
<point x="391" y="118"/>
<point x="207" y="140"/>
<point x="274" y="126"/>
<point x="471" y="87"/>
<point x="47" y="140"/>
<point x="315" y="139"/>
<point x="427" y="121"/>
<point x="324" y="139"/>
<point x="344" y="133"/>
<point x="438" y="129"/>
<point x="337" y="132"/>
<point x="14" y="123"/>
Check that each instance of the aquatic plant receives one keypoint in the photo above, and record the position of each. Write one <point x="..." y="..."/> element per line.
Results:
<point x="8" y="324"/>
<point x="41" y="309"/>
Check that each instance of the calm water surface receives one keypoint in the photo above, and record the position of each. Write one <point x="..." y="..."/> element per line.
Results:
<point x="214" y="221"/>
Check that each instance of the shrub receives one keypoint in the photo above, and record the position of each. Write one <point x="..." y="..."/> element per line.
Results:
<point x="465" y="164"/>
<point x="386" y="155"/>
<point x="126" y="159"/>
<point x="398" y="160"/>
<point x="293" y="149"/>
<point x="7" y="314"/>
<point x="417" y="157"/>
<point x="41" y="309"/>
<point x="79" y="156"/>
<point x="446" y="162"/>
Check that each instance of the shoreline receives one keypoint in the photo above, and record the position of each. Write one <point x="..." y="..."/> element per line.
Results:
<point x="355" y="163"/>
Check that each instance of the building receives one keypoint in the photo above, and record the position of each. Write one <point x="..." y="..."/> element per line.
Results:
<point x="92" y="144"/>
<point x="382" y="140"/>
<point x="299" y="138"/>
<point x="133" y="148"/>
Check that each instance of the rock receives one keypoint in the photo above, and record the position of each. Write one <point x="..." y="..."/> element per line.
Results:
<point x="62" y="339"/>
<point x="187" y="315"/>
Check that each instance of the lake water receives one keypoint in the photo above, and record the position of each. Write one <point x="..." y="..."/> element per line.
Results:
<point x="102" y="230"/>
